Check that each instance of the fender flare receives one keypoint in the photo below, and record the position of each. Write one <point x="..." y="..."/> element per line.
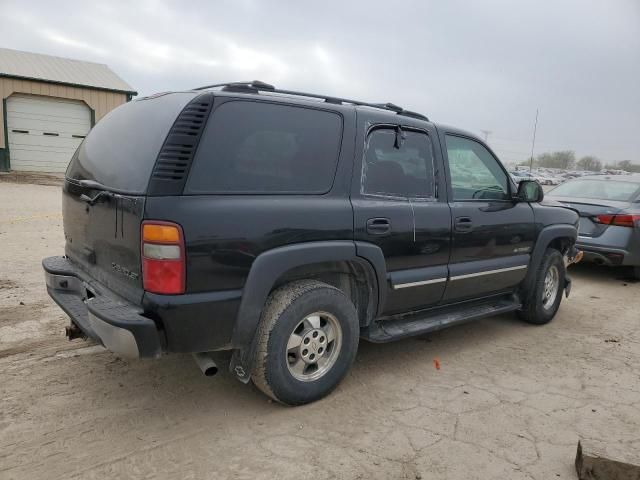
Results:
<point x="545" y="237"/>
<point x="272" y="264"/>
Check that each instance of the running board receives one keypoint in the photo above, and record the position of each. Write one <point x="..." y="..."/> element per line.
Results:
<point x="426" y="322"/>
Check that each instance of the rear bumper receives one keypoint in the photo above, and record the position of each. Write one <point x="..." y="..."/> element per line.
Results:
<point x="607" y="255"/>
<point x="114" y="322"/>
<point x="615" y="246"/>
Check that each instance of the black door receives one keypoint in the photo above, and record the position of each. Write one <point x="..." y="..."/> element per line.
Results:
<point x="395" y="208"/>
<point x="492" y="234"/>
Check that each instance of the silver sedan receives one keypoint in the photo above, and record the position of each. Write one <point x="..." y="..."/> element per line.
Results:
<point x="609" y="207"/>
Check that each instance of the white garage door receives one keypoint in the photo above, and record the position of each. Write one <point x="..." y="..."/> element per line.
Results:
<point x="44" y="132"/>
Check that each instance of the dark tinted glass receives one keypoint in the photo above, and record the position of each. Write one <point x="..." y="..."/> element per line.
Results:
<point x="121" y="150"/>
<point x="255" y="147"/>
<point x="475" y="173"/>
<point x="398" y="163"/>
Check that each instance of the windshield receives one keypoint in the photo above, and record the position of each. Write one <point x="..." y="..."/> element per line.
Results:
<point x="621" y="191"/>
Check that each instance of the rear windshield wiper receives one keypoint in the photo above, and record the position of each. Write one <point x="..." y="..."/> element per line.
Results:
<point x="93" y="184"/>
<point x="103" y="194"/>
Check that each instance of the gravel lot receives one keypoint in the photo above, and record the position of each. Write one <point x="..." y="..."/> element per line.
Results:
<point x="510" y="400"/>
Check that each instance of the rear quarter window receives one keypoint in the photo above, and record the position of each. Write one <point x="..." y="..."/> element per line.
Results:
<point x="265" y="148"/>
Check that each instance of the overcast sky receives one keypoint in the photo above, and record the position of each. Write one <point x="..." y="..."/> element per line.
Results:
<point x="479" y="65"/>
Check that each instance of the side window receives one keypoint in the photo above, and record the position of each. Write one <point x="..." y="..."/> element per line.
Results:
<point x="262" y="148"/>
<point x="475" y="173"/>
<point x="398" y="163"/>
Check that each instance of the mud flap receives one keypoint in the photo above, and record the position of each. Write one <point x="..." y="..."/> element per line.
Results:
<point x="567" y="286"/>
<point x="239" y="368"/>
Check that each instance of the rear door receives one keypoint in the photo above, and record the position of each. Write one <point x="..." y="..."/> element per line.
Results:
<point x="492" y="234"/>
<point x="395" y="208"/>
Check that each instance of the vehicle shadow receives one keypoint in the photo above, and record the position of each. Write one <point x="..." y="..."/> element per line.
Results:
<point x="592" y="272"/>
<point x="176" y="380"/>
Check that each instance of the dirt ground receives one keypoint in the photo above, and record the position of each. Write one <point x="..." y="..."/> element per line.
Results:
<point x="510" y="400"/>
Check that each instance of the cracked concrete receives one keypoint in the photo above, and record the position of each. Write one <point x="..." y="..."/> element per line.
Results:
<point x="510" y="400"/>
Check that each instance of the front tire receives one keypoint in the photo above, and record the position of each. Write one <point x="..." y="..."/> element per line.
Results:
<point x="542" y="302"/>
<point x="307" y="341"/>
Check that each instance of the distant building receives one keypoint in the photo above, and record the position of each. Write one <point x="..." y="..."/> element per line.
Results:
<point x="48" y="105"/>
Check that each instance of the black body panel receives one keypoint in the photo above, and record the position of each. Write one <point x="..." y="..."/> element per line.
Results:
<point x="224" y="235"/>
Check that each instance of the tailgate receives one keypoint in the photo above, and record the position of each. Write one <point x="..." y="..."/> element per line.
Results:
<point x="103" y="239"/>
<point x="106" y="186"/>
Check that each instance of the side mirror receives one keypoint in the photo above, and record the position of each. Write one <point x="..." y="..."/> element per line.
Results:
<point x="530" y="191"/>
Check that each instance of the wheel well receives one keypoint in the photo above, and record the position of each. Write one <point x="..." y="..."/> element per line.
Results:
<point x="354" y="278"/>
<point x="562" y="244"/>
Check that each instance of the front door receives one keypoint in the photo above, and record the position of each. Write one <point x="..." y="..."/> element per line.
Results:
<point x="395" y="208"/>
<point x="492" y="234"/>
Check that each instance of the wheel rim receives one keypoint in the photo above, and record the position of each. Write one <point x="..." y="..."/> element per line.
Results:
<point x="551" y="283"/>
<point x="314" y="346"/>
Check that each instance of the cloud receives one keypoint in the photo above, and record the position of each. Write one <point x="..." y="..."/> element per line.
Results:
<point x="73" y="44"/>
<point x="479" y="65"/>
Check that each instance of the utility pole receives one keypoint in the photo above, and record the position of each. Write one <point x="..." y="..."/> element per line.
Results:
<point x="533" y="141"/>
<point x="486" y="134"/>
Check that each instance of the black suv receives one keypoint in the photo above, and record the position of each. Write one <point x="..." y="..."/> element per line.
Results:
<point x="285" y="226"/>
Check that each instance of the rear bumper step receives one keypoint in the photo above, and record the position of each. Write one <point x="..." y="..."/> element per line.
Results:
<point x="391" y="330"/>
<point x="115" y="323"/>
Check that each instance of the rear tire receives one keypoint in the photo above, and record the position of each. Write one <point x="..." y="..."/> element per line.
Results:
<point x="543" y="301"/>
<point x="636" y="272"/>
<point x="307" y="341"/>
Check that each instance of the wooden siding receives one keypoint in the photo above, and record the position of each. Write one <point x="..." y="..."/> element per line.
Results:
<point x="100" y="101"/>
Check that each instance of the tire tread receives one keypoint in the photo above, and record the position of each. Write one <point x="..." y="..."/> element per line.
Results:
<point x="530" y="311"/>
<point x="277" y="303"/>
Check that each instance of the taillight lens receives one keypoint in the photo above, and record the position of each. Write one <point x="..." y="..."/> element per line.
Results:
<point x="620" y="220"/>
<point x="163" y="258"/>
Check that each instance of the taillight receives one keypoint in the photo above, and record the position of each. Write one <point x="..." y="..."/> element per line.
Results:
<point x="620" y="220"/>
<point x="163" y="258"/>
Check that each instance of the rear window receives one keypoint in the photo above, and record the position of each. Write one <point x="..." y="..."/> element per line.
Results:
<point x="121" y="150"/>
<point x="256" y="147"/>
<point x="599" y="189"/>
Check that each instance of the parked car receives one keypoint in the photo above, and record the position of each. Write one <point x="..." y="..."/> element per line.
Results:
<point x="519" y="175"/>
<point x="544" y="179"/>
<point x="609" y="207"/>
<point x="286" y="226"/>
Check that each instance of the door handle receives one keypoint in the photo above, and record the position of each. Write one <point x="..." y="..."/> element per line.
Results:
<point x="378" y="226"/>
<point x="463" y="224"/>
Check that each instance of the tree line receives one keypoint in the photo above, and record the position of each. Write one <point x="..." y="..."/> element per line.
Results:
<point x="566" y="160"/>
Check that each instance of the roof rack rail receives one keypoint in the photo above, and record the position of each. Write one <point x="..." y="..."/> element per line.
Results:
<point x="256" y="86"/>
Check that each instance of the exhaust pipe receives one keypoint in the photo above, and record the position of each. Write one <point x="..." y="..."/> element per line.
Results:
<point x="206" y="364"/>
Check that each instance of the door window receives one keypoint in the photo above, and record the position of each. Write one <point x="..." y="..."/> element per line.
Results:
<point x="475" y="172"/>
<point x="398" y="163"/>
